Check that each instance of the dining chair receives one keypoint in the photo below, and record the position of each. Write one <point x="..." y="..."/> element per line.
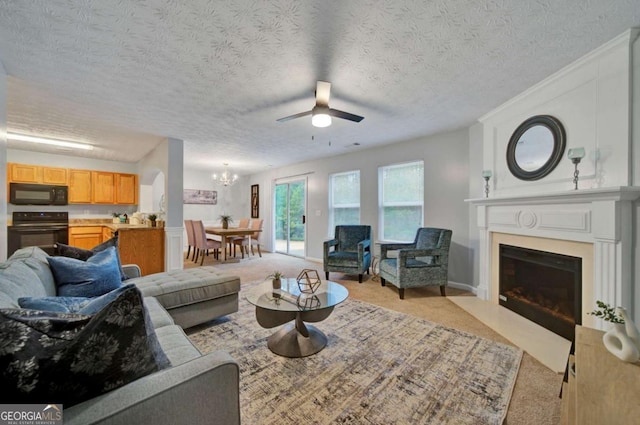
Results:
<point x="253" y="239"/>
<point x="204" y="244"/>
<point x="191" y="241"/>
<point x="242" y="223"/>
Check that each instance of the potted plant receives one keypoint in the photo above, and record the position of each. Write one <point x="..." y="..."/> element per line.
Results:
<point x="606" y="313"/>
<point x="152" y="218"/>
<point x="225" y="220"/>
<point x="276" y="279"/>
<point x="116" y="217"/>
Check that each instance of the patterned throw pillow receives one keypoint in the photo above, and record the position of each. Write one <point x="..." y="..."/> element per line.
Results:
<point x="92" y="278"/>
<point x="70" y="358"/>
<point x="63" y="250"/>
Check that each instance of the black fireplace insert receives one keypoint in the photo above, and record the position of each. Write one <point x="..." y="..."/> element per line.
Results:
<point x="542" y="286"/>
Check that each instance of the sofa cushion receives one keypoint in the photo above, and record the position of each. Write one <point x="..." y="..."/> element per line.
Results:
<point x="17" y="280"/>
<point x="36" y="259"/>
<point x="84" y="254"/>
<point x="71" y="357"/>
<point x="184" y="287"/>
<point x="159" y="316"/>
<point x="176" y="345"/>
<point x="94" y="277"/>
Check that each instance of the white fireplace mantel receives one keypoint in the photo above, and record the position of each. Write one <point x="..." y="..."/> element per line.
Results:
<point x="602" y="217"/>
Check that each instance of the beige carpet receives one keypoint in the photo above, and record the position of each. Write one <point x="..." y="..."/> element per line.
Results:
<point x="535" y="397"/>
<point x="379" y="367"/>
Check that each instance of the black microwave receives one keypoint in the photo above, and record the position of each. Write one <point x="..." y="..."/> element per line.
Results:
<point x="37" y="194"/>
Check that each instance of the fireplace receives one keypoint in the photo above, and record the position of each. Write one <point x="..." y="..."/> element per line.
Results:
<point x="542" y="286"/>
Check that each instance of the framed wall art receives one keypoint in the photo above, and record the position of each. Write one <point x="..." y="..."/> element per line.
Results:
<point x="196" y="196"/>
<point x="255" y="201"/>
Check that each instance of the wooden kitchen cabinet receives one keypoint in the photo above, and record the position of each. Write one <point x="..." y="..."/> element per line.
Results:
<point x="25" y="173"/>
<point x="103" y="187"/>
<point x="144" y="247"/>
<point x="107" y="234"/>
<point x="51" y="175"/>
<point x="85" y="186"/>
<point x="126" y="188"/>
<point x="85" y="236"/>
<point x="79" y="186"/>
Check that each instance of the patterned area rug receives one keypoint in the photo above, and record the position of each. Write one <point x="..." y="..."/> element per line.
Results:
<point x="379" y="367"/>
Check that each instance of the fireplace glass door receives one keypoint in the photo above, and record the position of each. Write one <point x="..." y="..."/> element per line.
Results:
<point x="542" y="286"/>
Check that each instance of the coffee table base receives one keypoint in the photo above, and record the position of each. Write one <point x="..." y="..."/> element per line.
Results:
<point x="288" y="342"/>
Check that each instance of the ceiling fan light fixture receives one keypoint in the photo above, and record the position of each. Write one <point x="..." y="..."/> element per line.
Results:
<point x="320" y="116"/>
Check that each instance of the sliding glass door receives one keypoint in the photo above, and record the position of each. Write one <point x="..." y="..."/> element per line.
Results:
<point x="290" y="214"/>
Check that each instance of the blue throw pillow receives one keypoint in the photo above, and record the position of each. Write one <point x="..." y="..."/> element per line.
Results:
<point x="94" y="305"/>
<point x="58" y="304"/>
<point x="96" y="276"/>
<point x="85" y="254"/>
<point x="80" y="305"/>
<point x="71" y="358"/>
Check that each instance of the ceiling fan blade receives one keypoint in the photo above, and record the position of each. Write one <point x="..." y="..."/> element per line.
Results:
<point x="323" y="91"/>
<point x="291" y="117"/>
<point x="345" y="115"/>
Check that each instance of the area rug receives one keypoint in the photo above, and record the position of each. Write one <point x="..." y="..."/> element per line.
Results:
<point x="379" y="367"/>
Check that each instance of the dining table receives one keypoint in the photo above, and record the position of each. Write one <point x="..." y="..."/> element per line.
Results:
<point x="230" y="232"/>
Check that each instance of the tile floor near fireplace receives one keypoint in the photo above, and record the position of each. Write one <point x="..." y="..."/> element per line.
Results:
<point x="545" y="346"/>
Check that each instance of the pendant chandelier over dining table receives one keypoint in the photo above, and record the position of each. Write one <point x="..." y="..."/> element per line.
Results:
<point x="226" y="178"/>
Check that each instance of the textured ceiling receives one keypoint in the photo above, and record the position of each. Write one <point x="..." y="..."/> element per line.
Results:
<point x="124" y="74"/>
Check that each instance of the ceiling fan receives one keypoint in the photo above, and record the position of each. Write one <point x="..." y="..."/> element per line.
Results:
<point x="321" y="113"/>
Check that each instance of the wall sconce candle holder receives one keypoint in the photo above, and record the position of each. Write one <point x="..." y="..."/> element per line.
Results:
<point x="486" y="175"/>
<point x="576" y="155"/>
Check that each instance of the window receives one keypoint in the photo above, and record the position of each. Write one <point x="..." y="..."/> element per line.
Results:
<point x="401" y="193"/>
<point x="344" y="199"/>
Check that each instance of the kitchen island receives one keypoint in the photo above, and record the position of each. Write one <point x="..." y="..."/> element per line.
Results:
<point x="137" y="244"/>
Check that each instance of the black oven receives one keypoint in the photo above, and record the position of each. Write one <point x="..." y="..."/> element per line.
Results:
<point x="42" y="229"/>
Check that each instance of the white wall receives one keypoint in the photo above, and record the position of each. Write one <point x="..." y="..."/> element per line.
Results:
<point x="446" y="161"/>
<point x="476" y="190"/>
<point x="3" y="162"/>
<point x="230" y="201"/>
<point x="591" y="99"/>
<point x="597" y="99"/>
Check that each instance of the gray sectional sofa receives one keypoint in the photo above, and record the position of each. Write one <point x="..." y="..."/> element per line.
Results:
<point x="196" y="388"/>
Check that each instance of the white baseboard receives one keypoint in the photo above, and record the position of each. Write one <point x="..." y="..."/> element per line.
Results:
<point x="464" y="287"/>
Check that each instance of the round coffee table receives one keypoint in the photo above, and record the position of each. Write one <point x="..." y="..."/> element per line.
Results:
<point x="275" y="307"/>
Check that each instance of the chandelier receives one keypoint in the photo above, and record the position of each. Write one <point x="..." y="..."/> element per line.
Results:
<point x="226" y="178"/>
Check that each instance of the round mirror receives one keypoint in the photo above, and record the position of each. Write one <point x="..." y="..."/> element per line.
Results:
<point x="536" y="147"/>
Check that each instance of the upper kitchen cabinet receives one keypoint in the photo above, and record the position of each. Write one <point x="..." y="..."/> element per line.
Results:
<point x="24" y="173"/>
<point x="79" y="186"/>
<point x="85" y="186"/>
<point x="103" y="185"/>
<point x="126" y="188"/>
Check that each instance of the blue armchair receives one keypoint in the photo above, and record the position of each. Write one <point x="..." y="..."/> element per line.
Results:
<point x="424" y="262"/>
<point x="349" y="252"/>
